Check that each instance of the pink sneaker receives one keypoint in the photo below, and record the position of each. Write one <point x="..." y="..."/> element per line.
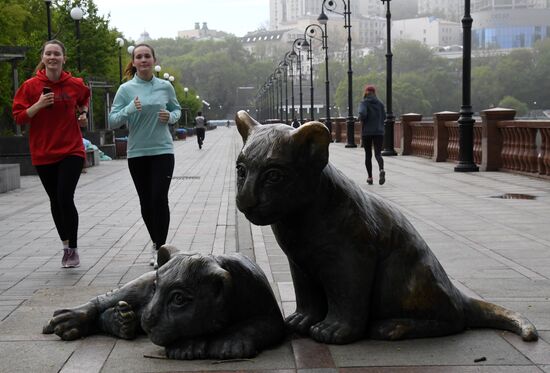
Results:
<point x="73" y="260"/>
<point x="65" y="257"/>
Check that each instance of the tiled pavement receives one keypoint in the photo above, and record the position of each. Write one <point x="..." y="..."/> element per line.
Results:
<point x="497" y="249"/>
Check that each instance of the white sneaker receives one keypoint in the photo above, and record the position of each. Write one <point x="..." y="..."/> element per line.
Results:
<point x="153" y="261"/>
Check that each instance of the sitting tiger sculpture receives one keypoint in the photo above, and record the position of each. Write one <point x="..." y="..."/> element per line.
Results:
<point x="359" y="267"/>
<point x="196" y="306"/>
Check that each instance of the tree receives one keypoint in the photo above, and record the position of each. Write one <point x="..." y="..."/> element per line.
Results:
<point x="23" y="23"/>
<point x="510" y="102"/>
<point x="541" y="74"/>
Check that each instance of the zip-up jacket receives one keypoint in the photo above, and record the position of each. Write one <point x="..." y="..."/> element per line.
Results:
<point x="147" y="134"/>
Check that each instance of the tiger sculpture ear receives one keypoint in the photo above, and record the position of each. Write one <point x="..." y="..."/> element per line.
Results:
<point x="245" y="124"/>
<point x="165" y="253"/>
<point x="312" y="140"/>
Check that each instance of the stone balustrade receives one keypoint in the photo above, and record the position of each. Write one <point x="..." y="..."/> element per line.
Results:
<point x="500" y="141"/>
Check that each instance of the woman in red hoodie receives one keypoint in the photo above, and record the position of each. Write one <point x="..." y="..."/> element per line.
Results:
<point x="55" y="103"/>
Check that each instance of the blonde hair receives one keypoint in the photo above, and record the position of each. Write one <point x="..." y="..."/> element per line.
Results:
<point x="130" y="70"/>
<point x="41" y="65"/>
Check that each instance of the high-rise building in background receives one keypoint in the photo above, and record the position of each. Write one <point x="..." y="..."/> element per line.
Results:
<point x="283" y="12"/>
<point x="481" y="5"/>
<point x="368" y="25"/>
<point x="508" y="24"/>
<point x="446" y="9"/>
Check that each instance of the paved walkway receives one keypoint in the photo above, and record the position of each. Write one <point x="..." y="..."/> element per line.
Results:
<point x="497" y="249"/>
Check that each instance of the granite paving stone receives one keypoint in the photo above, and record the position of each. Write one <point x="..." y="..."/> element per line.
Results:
<point x="491" y="248"/>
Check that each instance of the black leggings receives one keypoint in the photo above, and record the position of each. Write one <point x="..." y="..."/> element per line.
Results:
<point x="59" y="180"/>
<point x="368" y="142"/>
<point x="152" y="176"/>
<point x="200" y="135"/>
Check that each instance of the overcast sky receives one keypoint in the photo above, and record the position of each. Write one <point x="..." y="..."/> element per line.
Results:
<point x="164" y="18"/>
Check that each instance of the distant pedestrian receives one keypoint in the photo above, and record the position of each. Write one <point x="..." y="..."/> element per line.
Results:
<point x="372" y="115"/>
<point x="148" y="105"/>
<point x="200" y="128"/>
<point x="55" y="104"/>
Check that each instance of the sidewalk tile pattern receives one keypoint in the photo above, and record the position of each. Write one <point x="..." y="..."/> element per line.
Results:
<point x="496" y="249"/>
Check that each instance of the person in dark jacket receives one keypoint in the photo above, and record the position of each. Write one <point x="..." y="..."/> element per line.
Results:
<point x="372" y="115"/>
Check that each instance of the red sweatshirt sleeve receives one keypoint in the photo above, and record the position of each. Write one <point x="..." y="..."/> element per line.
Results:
<point x="20" y="105"/>
<point x="84" y="99"/>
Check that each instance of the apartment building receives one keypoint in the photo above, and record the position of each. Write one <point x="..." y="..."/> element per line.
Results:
<point x="431" y="31"/>
<point x="509" y="24"/>
<point x="448" y="9"/>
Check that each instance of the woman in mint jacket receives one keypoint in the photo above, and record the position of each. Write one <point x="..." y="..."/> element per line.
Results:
<point x="148" y="105"/>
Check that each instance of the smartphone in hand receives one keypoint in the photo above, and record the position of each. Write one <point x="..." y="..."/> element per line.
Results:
<point x="46" y="90"/>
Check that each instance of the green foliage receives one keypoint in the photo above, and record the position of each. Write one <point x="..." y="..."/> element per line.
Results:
<point x="24" y="23"/>
<point x="510" y="102"/>
<point x="214" y="69"/>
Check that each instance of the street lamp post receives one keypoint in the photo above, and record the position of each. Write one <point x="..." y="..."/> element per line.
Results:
<point x="307" y="44"/>
<point x="279" y="72"/>
<point x="466" y="120"/>
<point x="311" y="30"/>
<point x="76" y="15"/>
<point x="158" y="68"/>
<point x="273" y="87"/>
<point x="297" y="45"/>
<point x="390" y="119"/>
<point x="284" y="66"/>
<point x="49" y="17"/>
<point x="120" y="43"/>
<point x="289" y="56"/>
<point x="186" y="92"/>
<point x="330" y="6"/>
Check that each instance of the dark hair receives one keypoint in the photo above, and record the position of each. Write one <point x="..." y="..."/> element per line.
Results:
<point x="41" y="65"/>
<point x="130" y="70"/>
<point x="199" y="113"/>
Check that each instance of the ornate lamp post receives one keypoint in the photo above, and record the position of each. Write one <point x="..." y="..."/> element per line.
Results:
<point x="120" y="43"/>
<point x="157" y="70"/>
<point x="307" y="45"/>
<point x="390" y="119"/>
<point x="49" y="17"/>
<point x="284" y="66"/>
<point x="311" y="32"/>
<point x="289" y="59"/>
<point x="273" y="97"/>
<point x="297" y="45"/>
<point x="186" y="92"/>
<point x="279" y="71"/>
<point x="76" y="15"/>
<point x="130" y="49"/>
<point x="166" y="76"/>
<point x="330" y="6"/>
<point x="466" y="121"/>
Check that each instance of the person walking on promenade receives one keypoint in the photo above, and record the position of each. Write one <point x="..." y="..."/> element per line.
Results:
<point x="200" y="128"/>
<point x="372" y="115"/>
<point x="148" y="105"/>
<point x="55" y="105"/>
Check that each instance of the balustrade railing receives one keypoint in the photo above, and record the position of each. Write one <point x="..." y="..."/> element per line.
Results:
<point x="525" y="146"/>
<point x="500" y="142"/>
